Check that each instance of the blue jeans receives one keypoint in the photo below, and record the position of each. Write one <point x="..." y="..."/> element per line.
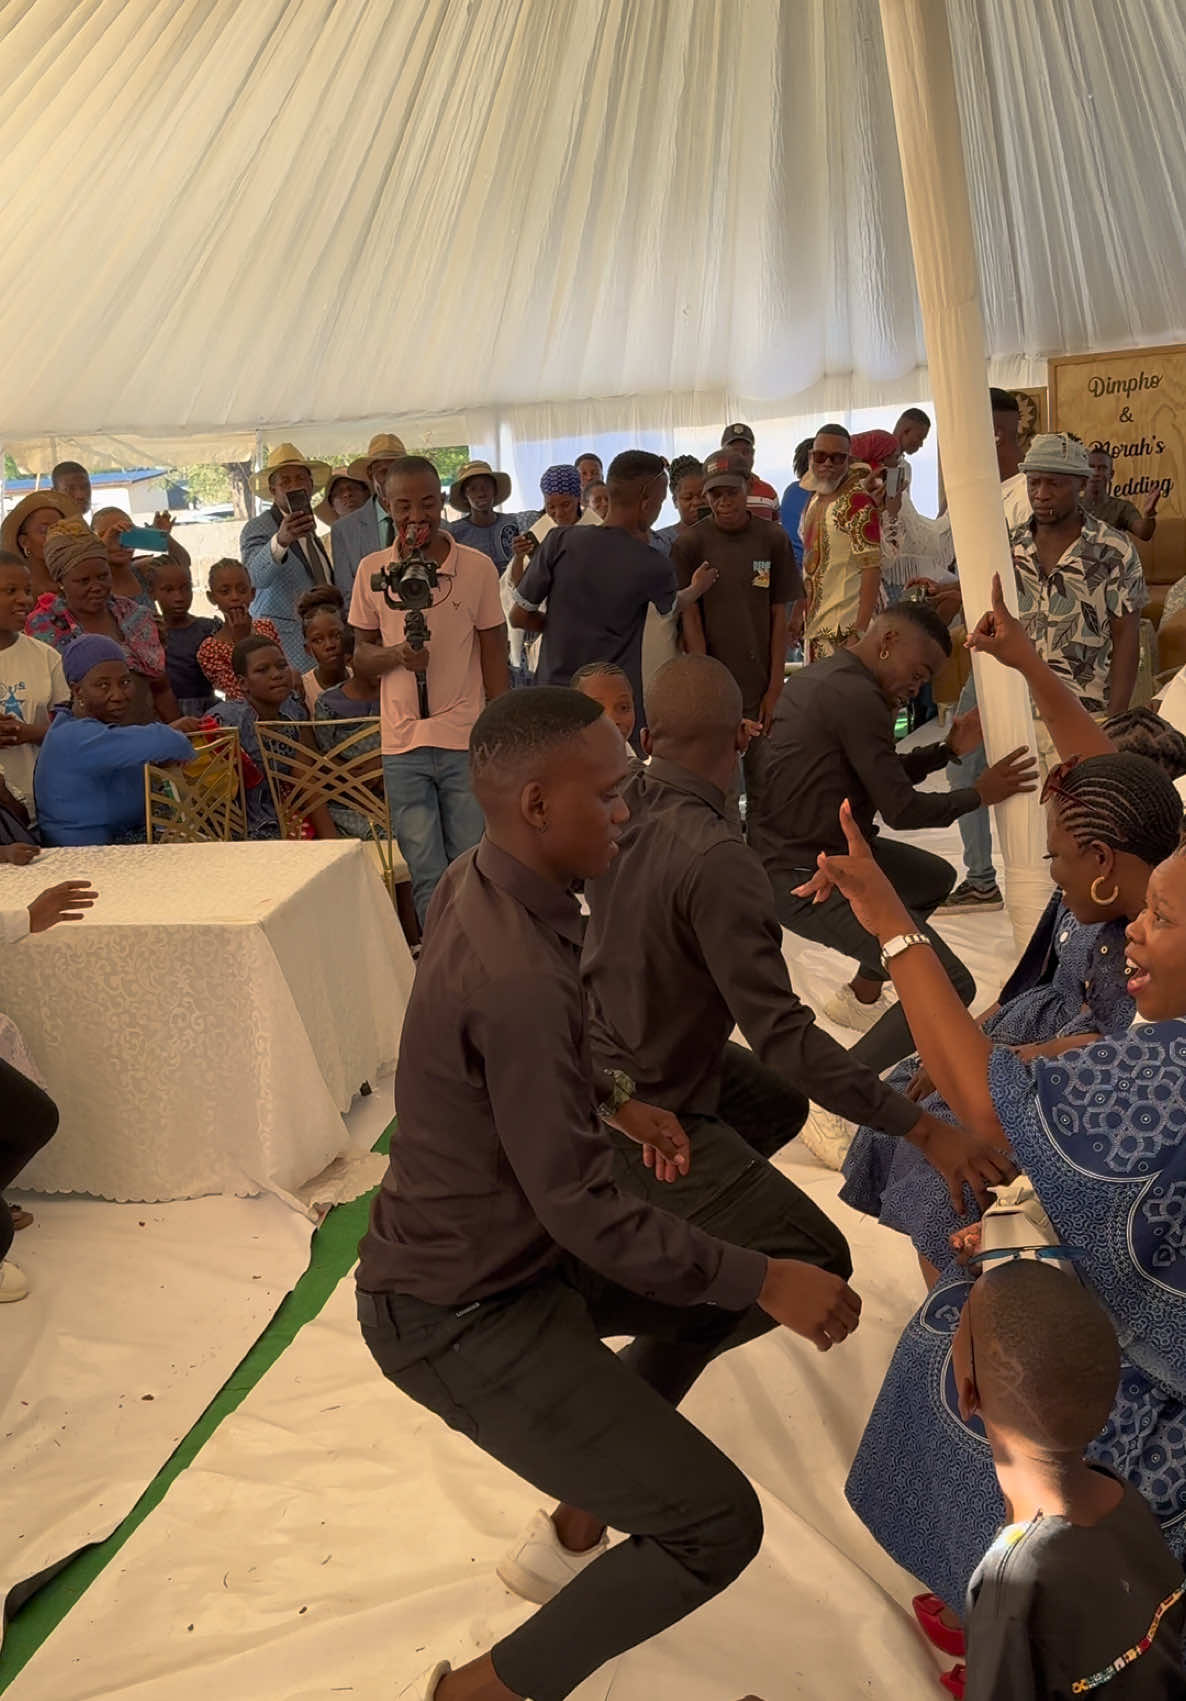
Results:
<point x="434" y="814"/>
<point x="975" y="828"/>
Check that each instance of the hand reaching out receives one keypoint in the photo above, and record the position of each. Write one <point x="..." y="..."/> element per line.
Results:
<point x="67" y="902"/>
<point x="966" y="734"/>
<point x="859" y="878"/>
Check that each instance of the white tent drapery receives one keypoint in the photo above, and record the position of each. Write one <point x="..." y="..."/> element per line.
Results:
<point x="470" y="215"/>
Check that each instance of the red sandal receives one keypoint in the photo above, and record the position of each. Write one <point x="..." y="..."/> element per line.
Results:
<point x="949" y="1639"/>
<point x="954" y="1680"/>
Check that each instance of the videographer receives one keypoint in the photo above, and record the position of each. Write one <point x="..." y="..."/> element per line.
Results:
<point x="280" y="549"/>
<point x="429" y="626"/>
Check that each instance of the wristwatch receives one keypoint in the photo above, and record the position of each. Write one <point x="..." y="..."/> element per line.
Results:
<point x="894" y="947"/>
<point x="621" y="1092"/>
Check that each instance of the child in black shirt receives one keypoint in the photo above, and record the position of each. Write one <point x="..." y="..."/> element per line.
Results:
<point x="1079" y="1593"/>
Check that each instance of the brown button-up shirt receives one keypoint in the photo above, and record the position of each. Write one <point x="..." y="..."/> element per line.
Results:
<point x="498" y="1159"/>
<point x="833" y="738"/>
<point x="683" y="942"/>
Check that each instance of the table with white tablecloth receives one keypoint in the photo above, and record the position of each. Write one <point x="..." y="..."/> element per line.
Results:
<point x="204" y="1028"/>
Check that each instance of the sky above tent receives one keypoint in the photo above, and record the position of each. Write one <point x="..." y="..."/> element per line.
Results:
<point x="227" y="217"/>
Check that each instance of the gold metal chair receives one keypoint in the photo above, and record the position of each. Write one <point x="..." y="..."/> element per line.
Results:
<point x="338" y="764"/>
<point x="202" y="802"/>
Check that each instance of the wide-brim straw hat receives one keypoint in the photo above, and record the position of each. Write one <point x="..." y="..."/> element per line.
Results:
<point x="29" y="505"/>
<point x="356" y="472"/>
<point x="385" y="447"/>
<point x="478" y="469"/>
<point x="288" y="455"/>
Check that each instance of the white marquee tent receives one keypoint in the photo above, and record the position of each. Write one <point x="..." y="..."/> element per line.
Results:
<point x="492" y="220"/>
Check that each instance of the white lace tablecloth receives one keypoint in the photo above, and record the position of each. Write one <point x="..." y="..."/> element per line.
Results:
<point x="205" y="1027"/>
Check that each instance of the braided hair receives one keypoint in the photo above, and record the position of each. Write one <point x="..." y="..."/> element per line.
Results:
<point x="1126" y="802"/>
<point x="682" y="467"/>
<point x="1141" y="732"/>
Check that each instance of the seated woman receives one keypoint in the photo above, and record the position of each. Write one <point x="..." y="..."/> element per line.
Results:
<point x="265" y="694"/>
<point x="1109" y="821"/>
<point x="89" y="781"/>
<point x="231" y="592"/>
<point x="24" y="532"/>
<point x="78" y="562"/>
<point x="131" y="576"/>
<point x="1098" y="1132"/>
<point x="322" y="614"/>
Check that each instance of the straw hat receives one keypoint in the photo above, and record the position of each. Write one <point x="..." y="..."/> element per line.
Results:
<point x="478" y="469"/>
<point x="356" y="472"/>
<point x="287" y="455"/>
<point x="385" y="447"/>
<point x="29" y="505"/>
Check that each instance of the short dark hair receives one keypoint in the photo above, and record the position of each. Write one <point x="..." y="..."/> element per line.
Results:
<point x="634" y="465"/>
<point x="598" y="669"/>
<point x="930" y="622"/>
<point x="1003" y="402"/>
<point x="596" y="484"/>
<point x="521" y="725"/>
<point x="682" y="467"/>
<point x="917" y="415"/>
<point x="247" y="647"/>
<point x="410" y="464"/>
<point x="834" y="430"/>
<point x="1103" y="449"/>
<point x="66" y="469"/>
<point x="588" y="455"/>
<point x="802" y="458"/>
<point x="1047" y="1362"/>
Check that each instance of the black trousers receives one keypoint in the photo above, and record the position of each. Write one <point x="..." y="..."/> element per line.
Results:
<point x="922" y="881"/>
<point x="761" y="1105"/>
<point x="28" y="1119"/>
<point x="526" y="1375"/>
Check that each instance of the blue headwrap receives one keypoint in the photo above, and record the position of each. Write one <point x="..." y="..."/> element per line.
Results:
<point x="91" y="650"/>
<point x="561" y="481"/>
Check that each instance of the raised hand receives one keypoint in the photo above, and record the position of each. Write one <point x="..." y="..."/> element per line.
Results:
<point x="1000" y="633"/>
<point x="860" y="878"/>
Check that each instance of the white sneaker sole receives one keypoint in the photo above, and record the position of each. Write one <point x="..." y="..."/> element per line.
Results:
<point x="528" y="1585"/>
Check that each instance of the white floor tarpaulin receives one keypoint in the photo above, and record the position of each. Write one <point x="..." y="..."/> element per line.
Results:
<point x="332" y="1538"/>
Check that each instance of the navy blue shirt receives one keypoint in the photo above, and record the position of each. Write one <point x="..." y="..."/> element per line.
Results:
<point x="598" y="583"/>
<point x="181" y="660"/>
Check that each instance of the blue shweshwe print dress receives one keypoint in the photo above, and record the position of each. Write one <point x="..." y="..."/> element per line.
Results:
<point x="1101" y="1134"/>
<point x="1082" y="990"/>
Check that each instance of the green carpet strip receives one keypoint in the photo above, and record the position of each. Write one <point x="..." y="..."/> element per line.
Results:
<point x="333" y="1250"/>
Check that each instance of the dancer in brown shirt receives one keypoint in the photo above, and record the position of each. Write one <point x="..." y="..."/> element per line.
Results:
<point x="504" y="1247"/>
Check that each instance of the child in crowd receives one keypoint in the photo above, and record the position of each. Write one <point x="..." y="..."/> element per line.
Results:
<point x="184" y="635"/>
<point x="608" y="685"/>
<point x="31" y="681"/>
<point x="1079" y="1591"/>
<point x="322" y="614"/>
<point x="264" y="681"/>
<point x="231" y="592"/>
<point x="596" y="496"/>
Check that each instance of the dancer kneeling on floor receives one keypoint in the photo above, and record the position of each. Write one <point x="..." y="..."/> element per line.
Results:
<point x="833" y="738"/>
<point x="503" y="1250"/>
<point x="1098" y="1134"/>
<point x="683" y="943"/>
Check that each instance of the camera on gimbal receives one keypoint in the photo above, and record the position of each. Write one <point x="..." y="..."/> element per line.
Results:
<point x="408" y="585"/>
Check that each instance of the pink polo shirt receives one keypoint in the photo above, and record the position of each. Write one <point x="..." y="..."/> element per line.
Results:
<point x="466" y="602"/>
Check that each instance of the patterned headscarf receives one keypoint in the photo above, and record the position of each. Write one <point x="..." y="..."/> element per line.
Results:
<point x="561" y="481"/>
<point x="68" y="543"/>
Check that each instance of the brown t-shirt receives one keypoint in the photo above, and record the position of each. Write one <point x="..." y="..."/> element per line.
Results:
<point x="1115" y="511"/>
<point x="757" y="570"/>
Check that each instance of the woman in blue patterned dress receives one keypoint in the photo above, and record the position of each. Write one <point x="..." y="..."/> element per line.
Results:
<point x="1107" y="828"/>
<point x="1100" y="1132"/>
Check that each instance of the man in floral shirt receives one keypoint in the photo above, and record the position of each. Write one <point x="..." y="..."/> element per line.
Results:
<point x="841" y="546"/>
<point x="1080" y="587"/>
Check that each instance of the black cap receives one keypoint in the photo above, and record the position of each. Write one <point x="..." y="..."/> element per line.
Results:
<point x="732" y="433"/>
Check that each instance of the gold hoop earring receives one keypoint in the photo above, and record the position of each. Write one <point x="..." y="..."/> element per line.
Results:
<point x="1095" y="897"/>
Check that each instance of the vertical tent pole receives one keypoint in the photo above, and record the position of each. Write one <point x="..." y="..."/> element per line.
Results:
<point x="922" y="85"/>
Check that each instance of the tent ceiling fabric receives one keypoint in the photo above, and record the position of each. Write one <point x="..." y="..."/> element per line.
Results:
<point x="227" y="217"/>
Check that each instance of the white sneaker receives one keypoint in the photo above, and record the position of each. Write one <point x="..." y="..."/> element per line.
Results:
<point x="539" y="1565"/>
<point x="425" y="1686"/>
<point x="846" y="1010"/>
<point x="13" y="1283"/>
<point x="827" y="1136"/>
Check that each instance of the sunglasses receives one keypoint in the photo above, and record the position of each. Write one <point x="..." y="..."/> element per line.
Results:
<point x="1055" y="784"/>
<point x="823" y="458"/>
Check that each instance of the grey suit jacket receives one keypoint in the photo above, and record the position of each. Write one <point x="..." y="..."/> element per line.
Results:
<point x="352" y="537"/>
